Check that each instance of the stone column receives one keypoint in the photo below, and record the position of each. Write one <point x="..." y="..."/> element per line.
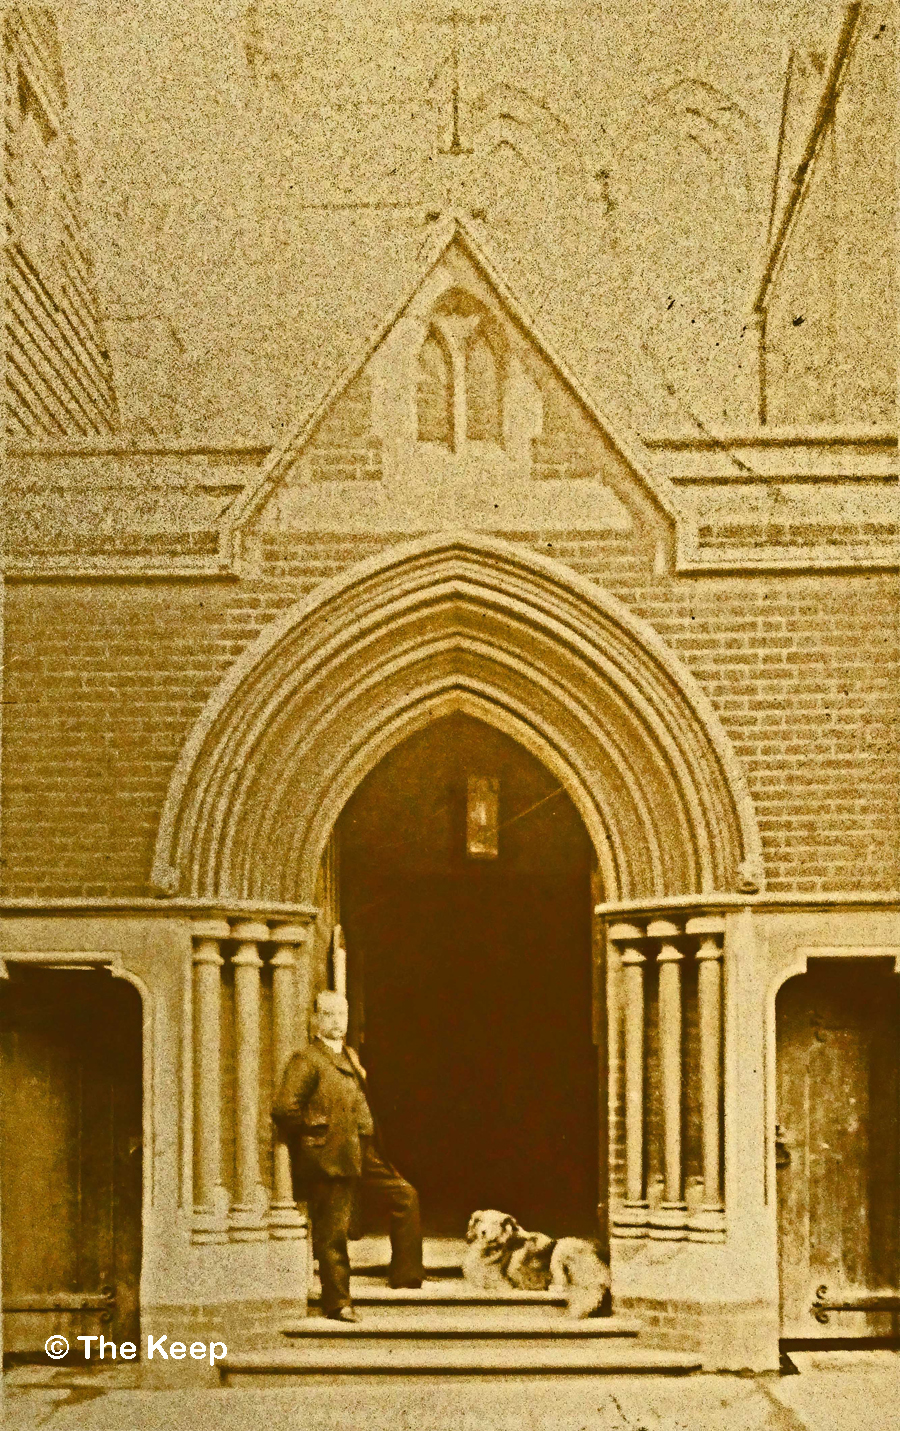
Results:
<point x="670" y="1218"/>
<point x="630" y="1218"/>
<point x="247" y="1217"/>
<point x="710" y="1217"/>
<point x="339" y="962"/>
<point x="285" y="1220"/>
<point x="209" y="1198"/>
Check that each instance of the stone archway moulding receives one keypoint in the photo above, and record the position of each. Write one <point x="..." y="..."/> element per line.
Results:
<point x="443" y="624"/>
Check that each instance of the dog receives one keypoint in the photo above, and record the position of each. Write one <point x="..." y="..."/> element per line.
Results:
<point x="501" y="1254"/>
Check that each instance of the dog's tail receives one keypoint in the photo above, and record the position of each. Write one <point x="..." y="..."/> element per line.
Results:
<point x="585" y="1301"/>
<point x="587" y="1280"/>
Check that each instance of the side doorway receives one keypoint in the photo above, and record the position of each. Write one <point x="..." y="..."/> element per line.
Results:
<point x="70" y="1157"/>
<point x="838" y="1149"/>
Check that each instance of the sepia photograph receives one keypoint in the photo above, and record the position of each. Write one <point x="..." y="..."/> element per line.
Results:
<point x="449" y="709"/>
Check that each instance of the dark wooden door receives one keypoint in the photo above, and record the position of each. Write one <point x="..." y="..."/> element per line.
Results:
<point x="70" y="1157"/>
<point x="838" y="1149"/>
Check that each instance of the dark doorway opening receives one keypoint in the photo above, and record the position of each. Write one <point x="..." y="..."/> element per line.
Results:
<point x="70" y="1157"/>
<point x="470" y="982"/>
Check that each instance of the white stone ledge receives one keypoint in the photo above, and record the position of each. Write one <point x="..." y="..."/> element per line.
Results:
<point x="728" y="903"/>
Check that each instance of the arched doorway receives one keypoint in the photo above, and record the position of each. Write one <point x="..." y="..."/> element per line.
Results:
<point x="471" y="980"/>
<point x="456" y="623"/>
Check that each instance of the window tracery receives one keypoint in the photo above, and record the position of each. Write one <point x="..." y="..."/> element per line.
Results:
<point x="460" y="390"/>
<point x="484" y="406"/>
<point x="435" y="392"/>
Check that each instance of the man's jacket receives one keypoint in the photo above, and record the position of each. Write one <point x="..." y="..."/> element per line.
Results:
<point x="321" y="1112"/>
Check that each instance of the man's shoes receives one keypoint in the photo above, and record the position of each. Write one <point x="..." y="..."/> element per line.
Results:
<point x="398" y="1286"/>
<point x="342" y="1314"/>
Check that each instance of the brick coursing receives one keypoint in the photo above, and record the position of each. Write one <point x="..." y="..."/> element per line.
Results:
<point x="103" y="683"/>
<point x="569" y="444"/>
<point x="245" y="1326"/>
<point x="796" y="534"/>
<point x="343" y="447"/>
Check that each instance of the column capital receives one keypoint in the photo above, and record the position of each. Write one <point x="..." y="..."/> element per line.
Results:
<point x="668" y="954"/>
<point x="284" y="957"/>
<point x="664" y="929"/>
<point x="247" y="957"/>
<point x="631" y="957"/>
<point x="210" y="926"/>
<point x="709" y="949"/>
<point x="624" y="933"/>
<point x="207" y="952"/>
<point x="250" y="931"/>
<point x="292" y="933"/>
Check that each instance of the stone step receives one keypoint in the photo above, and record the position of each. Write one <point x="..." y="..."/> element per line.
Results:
<point x="442" y="1256"/>
<point x="433" y="1272"/>
<point x="366" y="1292"/>
<point x="475" y="1314"/>
<point x="407" y="1357"/>
<point x="509" y="1324"/>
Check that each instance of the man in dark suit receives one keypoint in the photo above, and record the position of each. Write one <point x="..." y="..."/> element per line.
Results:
<point x="323" y="1114"/>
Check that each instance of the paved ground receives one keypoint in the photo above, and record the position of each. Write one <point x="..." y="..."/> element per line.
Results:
<point x="838" y="1391"/>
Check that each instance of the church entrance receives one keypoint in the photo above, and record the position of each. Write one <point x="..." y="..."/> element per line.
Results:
<point x="466" y="896"/>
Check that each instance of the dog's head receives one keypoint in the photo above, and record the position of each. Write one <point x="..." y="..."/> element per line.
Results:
<point x="491" y="1230"/>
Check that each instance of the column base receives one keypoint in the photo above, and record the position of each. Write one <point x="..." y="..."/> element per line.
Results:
<point x="286" y="1222"/>
<point x="668" y="1222"/>
<point x="630" y="1219"/>
<point x="208" y="1226"/>
<point x="245" y="1225"/>
<point x="707" y="1225"/>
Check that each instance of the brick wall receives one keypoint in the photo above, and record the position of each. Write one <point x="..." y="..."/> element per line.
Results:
<point x="343" y="448"/>
<point x="567" y="445"/>
<point x="103" y="683"/>
<point x="802" y="671"/>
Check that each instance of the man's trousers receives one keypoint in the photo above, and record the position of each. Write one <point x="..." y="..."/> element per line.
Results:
<point x="330" y="1202"/>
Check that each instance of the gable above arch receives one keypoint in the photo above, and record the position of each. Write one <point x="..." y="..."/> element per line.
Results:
<point x="457" y="413"/>
<point x="456" y="623"/>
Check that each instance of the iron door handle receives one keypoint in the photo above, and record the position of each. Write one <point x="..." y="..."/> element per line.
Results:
<point x="782" y="1147"/>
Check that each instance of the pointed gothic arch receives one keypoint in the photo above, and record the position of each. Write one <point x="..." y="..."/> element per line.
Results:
<point x="455" y="623"/>
<point x="484" y="390"/>
<point x="434" y="391"/>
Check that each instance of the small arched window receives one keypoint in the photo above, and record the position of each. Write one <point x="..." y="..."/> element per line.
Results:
<point x="484" y="410"/>
<point x="435" y="392"/>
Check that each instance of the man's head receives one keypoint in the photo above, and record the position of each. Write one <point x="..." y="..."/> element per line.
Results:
<point x="331" y="1016"/>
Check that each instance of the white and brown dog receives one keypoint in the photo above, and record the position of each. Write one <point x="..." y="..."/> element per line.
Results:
<point x="501" y="1254"/>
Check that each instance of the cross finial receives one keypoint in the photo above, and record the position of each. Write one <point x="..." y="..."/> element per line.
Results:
<point x="456" y="20"/>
